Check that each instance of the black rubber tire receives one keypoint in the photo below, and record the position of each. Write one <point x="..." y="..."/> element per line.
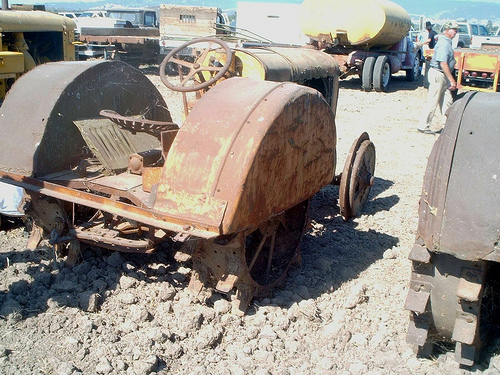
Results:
<point x="367" y="74"/>
<point x="381" y="73"/>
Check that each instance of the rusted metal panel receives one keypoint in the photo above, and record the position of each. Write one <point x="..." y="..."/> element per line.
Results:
<point x="471" y="221"/>
<point x="51" y="142"/>
<point x="123" y="181"/>
<point x="187" y="21"/>
<point x="433" y="198"/>
<point x="126" y="34"/>
<point x="266" y="146"/>
<point x="470" y="284"/>
<point x="195" y="207"/>
<point x="417" y="300"/>
<point x="308" y="63"/>
<point x="465" y="328"/>
<point x="302" y="65"/>
<point x="418" y="330"/>
<point x="459" y="205"/>
<point x="419" y="253"/>
<point x="143" y="215"/>
<point x="150" y="177"/>
<point x="293" y="64"/>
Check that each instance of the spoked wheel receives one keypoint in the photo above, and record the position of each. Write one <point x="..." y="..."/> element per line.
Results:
<point x="357" y="177"/>
<point x="446" y="302"/>
<point x="273" y="247"/>
<point x="249" y="264"/>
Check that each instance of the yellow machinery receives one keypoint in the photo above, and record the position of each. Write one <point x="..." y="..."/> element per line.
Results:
<point x="29" y="38"/>
<point x="478" y="70"/>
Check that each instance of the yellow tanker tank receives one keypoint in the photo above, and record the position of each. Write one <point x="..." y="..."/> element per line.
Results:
<point x="355" y="23"/>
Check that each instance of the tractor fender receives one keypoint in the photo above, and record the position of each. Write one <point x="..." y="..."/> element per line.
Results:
<point x="248" y="151"/>
<point x="36" y="118"/>
<point x="459" y="207"/>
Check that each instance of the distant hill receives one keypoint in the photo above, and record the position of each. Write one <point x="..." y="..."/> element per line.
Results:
<point x="453" y="9"/>
<point x="445" y="9"/>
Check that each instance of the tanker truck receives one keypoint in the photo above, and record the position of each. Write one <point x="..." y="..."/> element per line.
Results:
<point x="368" y="38"/>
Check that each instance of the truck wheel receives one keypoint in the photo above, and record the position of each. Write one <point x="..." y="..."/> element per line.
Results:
<point x="414" y="73"/>
<point x="367" y="74"/>
<point x="381" y="73"/>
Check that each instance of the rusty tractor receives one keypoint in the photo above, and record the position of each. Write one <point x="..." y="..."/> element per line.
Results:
<point x="102" y="163"/>
<point x="456" y="253"/>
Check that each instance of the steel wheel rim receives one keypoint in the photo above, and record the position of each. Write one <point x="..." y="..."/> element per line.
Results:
<point x="271" y="249"/>
<point x="416" y="68"/>
<point x="386" y="74"/>
<point x="344" y="201"/>
<point x="362" y="177"/>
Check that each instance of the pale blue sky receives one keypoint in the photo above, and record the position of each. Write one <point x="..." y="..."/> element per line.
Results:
<point x="91" y="3"/>
<point x="117" y="1"/>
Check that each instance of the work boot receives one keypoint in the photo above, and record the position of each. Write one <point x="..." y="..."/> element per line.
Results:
<point x="427" y="130"/>
<point x="424" y="130"/>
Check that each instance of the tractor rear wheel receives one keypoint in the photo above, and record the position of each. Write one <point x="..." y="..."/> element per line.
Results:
<point x="446" y="302"/>
<point x="251" y="263"/>
<point x="271" y="249"/>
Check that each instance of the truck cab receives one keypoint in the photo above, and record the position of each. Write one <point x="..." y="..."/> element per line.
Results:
<point x="131" y="32"/>
<point x="135" y="17"/>
<point x="179" y="24"/>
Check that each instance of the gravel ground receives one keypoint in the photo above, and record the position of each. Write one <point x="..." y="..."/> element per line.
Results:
<point x="341" y="312"/>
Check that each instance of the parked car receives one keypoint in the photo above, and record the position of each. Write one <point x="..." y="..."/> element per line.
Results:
<point x="68" y="14"/>
<point x="97" y="19"/>
<point x="466" y="32"/>
<point x="136" y="17"/>
<point x="93" y="13"/>
<point x="488" y="41"/>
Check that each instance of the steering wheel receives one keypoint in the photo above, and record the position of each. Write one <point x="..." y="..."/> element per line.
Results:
<point x="196" y="68"/>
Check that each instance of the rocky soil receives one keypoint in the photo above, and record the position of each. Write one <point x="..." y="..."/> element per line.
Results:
<point x="341" y="312"/>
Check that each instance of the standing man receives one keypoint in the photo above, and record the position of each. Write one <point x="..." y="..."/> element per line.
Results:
<point x="441" y="79"/>
<point x="428" y="43"/>
<point x="431" y="36"/>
